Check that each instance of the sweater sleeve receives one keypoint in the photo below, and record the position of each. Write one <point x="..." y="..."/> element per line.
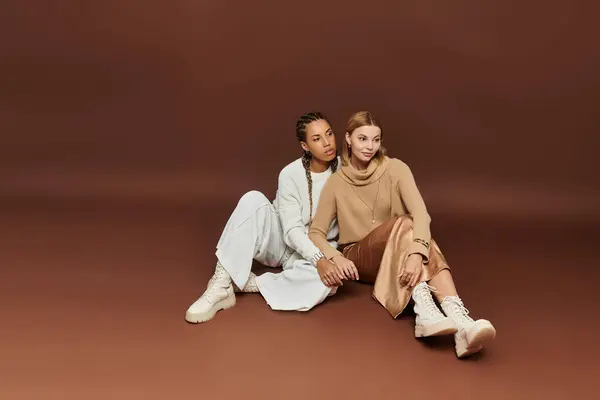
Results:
<point x="325" y="214"/>
<point x="415" y="205"/>
<point x="290" y="215"/>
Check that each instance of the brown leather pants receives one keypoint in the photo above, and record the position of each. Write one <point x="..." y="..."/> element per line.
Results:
<point x="380" y="257"/>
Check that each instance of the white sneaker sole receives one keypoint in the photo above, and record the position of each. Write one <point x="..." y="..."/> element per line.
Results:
<point x="481" y="333"/>
<point x="444" y="327"/>
<point x="224" y="304"/>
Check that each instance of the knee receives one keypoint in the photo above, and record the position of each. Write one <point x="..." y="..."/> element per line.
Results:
<point x="253" y="199"/>
<point x="406" y="221"/>
<point x="389" y="224"/>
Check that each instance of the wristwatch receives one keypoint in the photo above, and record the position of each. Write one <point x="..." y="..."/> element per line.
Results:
<point x="315" y="259"/>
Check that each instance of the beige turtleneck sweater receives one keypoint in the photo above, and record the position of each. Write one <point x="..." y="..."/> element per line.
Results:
<point x="363" y="199"/>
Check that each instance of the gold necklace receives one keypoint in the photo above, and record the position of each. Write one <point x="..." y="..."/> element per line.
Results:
<point x="365" y="203"/>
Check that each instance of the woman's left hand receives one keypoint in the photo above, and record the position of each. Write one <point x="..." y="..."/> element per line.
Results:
<point x="346" y="266"/>
<point x="412" y="270"/>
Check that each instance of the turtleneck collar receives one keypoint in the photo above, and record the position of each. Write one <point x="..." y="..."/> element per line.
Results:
<point x="371" y="174"/>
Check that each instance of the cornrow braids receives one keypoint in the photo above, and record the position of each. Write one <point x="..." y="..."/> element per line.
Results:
<point x="301" y="124"/>
<point x="334" y="165"/>
<point x="306" y="163"/>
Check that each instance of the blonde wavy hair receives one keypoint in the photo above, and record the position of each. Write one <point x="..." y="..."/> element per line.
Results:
<point x="357" y="120"/>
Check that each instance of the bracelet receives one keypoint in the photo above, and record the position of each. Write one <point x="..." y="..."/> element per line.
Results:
<point x="315" y="259"/>
<point x="421" y="241"/>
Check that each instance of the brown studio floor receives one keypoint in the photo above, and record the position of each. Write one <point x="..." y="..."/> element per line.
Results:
<point x="93" y="309"/>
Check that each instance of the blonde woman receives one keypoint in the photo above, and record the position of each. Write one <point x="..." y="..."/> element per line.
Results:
<point x="385" y="239"/>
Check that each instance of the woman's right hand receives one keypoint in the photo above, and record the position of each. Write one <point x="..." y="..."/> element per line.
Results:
<point x="347" y="267"/>
<point x="329" y="273"/>
<point x="412" y="270"/>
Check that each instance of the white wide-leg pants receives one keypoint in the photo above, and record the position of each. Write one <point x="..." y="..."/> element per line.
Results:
<point x="253" y="232"/>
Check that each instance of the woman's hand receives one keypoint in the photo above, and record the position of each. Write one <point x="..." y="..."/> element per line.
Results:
<point x="412" y="270"/>
<point x="347" y="267"/>
<point x="329" y="273"/>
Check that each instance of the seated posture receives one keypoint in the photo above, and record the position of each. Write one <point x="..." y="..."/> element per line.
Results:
<point x="384" y="239"/>
<point x="276" y="235"/>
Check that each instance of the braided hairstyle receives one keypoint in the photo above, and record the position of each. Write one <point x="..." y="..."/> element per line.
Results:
<point x="301" y="124"/>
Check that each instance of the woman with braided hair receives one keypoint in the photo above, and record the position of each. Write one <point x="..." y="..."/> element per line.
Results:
<point x="276" y="235"/>
<point x="384" y="235"/>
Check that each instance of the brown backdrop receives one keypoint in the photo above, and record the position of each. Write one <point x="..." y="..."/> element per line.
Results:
<point x="494" y="105"/>
<point x="130" y="129"/>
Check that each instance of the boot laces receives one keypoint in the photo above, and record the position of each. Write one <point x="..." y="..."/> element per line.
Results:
<point x="459" y="309"/>
<point x="424" y="292"/>
<point x="216" y="282"/>
<point x="251" y="286"/>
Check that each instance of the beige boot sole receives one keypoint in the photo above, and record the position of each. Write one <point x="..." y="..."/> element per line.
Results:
<point x="444" y="327"/>
<point x="224" y="304"/>
<point x="480" y="334"/>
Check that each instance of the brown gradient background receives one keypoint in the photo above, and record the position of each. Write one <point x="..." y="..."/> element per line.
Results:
<point x="130" y="129"/>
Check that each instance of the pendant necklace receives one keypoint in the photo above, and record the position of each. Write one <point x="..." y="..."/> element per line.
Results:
<point x="365" y="203"/>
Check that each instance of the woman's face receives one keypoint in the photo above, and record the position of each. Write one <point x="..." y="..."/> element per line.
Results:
<point x="320" y="141"/>
<point x="364" y="142"/>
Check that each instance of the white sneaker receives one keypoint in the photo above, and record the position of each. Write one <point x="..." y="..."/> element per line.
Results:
<point x="472" y="335"/>
<point x="218" y="296"/>
<point x="251" y="286"/>
<point x="430" y="321"/>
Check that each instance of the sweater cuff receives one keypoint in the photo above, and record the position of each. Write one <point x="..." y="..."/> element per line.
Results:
<point x="419" y="248"/>
<point x="330" y="252"/>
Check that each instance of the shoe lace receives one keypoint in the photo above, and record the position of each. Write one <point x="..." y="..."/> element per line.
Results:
<point x="425" y="293"/>
<point x="250" y="287"/>
<point x="459" y="309"/>
<point x="213" y="284"/>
